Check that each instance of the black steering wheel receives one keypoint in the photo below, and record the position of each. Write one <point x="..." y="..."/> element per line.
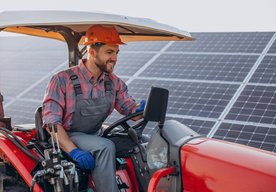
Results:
<point x="123" y="123"/>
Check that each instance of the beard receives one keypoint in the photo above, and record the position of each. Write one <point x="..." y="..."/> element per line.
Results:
<point x="105" y="66"/>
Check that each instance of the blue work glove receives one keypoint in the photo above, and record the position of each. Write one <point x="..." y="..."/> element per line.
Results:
<point x="141" y="106"/>
<point x="83" y="158"/>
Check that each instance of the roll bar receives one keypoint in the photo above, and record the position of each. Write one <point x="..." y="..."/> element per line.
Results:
<point x="4" y="121"/>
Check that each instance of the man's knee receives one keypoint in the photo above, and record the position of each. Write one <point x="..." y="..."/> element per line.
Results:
<point x="106" y="151"/>
<point x="109" y="146"/>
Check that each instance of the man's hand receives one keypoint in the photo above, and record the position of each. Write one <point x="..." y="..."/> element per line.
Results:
<point x="83" y="158"/>
<point x="139" y="107"/>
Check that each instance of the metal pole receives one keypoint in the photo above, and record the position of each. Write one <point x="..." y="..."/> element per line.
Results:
<point x="1" y="106"/>
<point x="4" y="121"/>
<point x="2" y="124"/>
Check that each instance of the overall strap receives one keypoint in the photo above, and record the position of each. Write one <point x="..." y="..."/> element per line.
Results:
<point x="75" y="80"/>
<point x="107" y="84"/>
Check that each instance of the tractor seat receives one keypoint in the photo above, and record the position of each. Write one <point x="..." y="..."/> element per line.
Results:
<point x="41" y="134"/>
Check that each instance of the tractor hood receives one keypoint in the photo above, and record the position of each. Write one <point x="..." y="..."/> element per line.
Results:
<point x="47" y="23"/>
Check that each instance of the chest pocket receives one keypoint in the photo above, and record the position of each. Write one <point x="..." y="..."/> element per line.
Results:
<point x="91" y="111"/>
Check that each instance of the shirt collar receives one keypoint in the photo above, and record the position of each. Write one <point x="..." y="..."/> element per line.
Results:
<point x="87" y="74"/>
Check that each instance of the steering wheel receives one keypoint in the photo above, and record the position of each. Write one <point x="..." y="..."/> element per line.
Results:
<point x="123" y="123"/>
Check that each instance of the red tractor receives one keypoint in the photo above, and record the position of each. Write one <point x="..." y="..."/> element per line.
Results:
<point x="175" y="158"/>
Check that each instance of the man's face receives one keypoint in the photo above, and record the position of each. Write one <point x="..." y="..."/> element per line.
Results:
<point x="105" y="57"/>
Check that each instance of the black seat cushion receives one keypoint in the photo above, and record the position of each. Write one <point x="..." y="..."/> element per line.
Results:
<point x="41" y="133"/>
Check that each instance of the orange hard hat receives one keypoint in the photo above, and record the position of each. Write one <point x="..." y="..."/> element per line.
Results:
<point x="101" y="34"/>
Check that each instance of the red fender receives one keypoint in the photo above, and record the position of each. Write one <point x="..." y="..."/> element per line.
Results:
<point x="157" y="176"/>
<point x="215" y="165"/>
<point x="19" y="160"/>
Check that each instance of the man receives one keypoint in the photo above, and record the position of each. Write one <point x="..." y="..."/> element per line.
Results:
<point x="79" y="99"/>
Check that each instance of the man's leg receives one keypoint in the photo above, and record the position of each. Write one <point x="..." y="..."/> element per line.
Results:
<point x="104" y="152"/>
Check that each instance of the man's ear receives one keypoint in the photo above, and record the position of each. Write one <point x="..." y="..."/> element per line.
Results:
<point x="91" y="51"/>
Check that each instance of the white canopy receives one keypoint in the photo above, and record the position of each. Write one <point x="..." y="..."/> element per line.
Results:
<point x="41" y="23"/>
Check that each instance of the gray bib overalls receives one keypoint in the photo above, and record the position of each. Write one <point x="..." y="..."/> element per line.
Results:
<point x="87" y="121"/>
<point x="90" y="113"/>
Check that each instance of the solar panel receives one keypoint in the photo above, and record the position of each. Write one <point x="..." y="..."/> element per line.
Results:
<point x="188" y="98"/>
<point x="22" y="111"/>
<point x="17" y="79"/>
<point x="222" y="84"/>
<point x="201" y="67"/>
<point x="8" y="44"/>
<point x="272" y="48"/>
<point x="255" y="136"/>
<point x="13" y="85"/>
<point x="266" y="71"/>
<point x="36" y="93"/>
<point x="199" y="126"/>
<point x="255" y="104"/>
<point x="24" y="43"/>
<point x="42" y="62"/>
<point x="6" y="99"/>
<point x="249" y="42"/>
<point x="144" y="46"/>
<point x="4" y="56"/>
<point x="129" y="63"/>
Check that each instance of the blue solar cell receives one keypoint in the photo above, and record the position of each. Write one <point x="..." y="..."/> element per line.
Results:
<point x="186" y="98"/>
<point x="30" y="43"/>
<point x="42" y="61"/>
<point x="272" y="48"/>
<point x="15" y="82"/>
<point x="22" y="112"/>
<point x="266" y="71"/>
<point x="255" y="136"/>
<point x="244" y="42"/>
<point x="255" y="104"/>
<point x="199" y="126"/>
<point x="37" y="92"/>
<point x="144" y="46"/>
<point x="129" y="63"/>
<point x="201" y="67"/>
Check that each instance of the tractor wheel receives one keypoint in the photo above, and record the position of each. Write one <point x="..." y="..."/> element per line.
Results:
<point x="10" y="181"/>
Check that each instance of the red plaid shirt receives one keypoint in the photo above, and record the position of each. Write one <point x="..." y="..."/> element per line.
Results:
<point x="59" y="99"/>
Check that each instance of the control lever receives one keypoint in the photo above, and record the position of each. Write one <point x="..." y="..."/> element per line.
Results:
<point x="38" y="174"/>
<point x="132" y="133"/>
<point x="55" y="169"/>
<point x="56" y="133"/>
<point x="76" y="181"/>
<point x="52" y="137"/>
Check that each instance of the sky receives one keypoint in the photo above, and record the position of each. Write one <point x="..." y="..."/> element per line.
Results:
<point x="192" y="16"/>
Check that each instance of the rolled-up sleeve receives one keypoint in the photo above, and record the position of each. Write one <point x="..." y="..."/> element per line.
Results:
<point x="53" y="102"/>
<point x="124" y="102"/>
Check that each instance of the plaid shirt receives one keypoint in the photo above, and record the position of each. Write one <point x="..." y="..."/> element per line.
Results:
<point x="59" y="99"/>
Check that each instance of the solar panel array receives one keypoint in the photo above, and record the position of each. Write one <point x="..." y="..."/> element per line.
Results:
<point x="222" y="85"/>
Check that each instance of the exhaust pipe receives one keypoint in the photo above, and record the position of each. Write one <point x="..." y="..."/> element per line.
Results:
<point x="4" y="121"/>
